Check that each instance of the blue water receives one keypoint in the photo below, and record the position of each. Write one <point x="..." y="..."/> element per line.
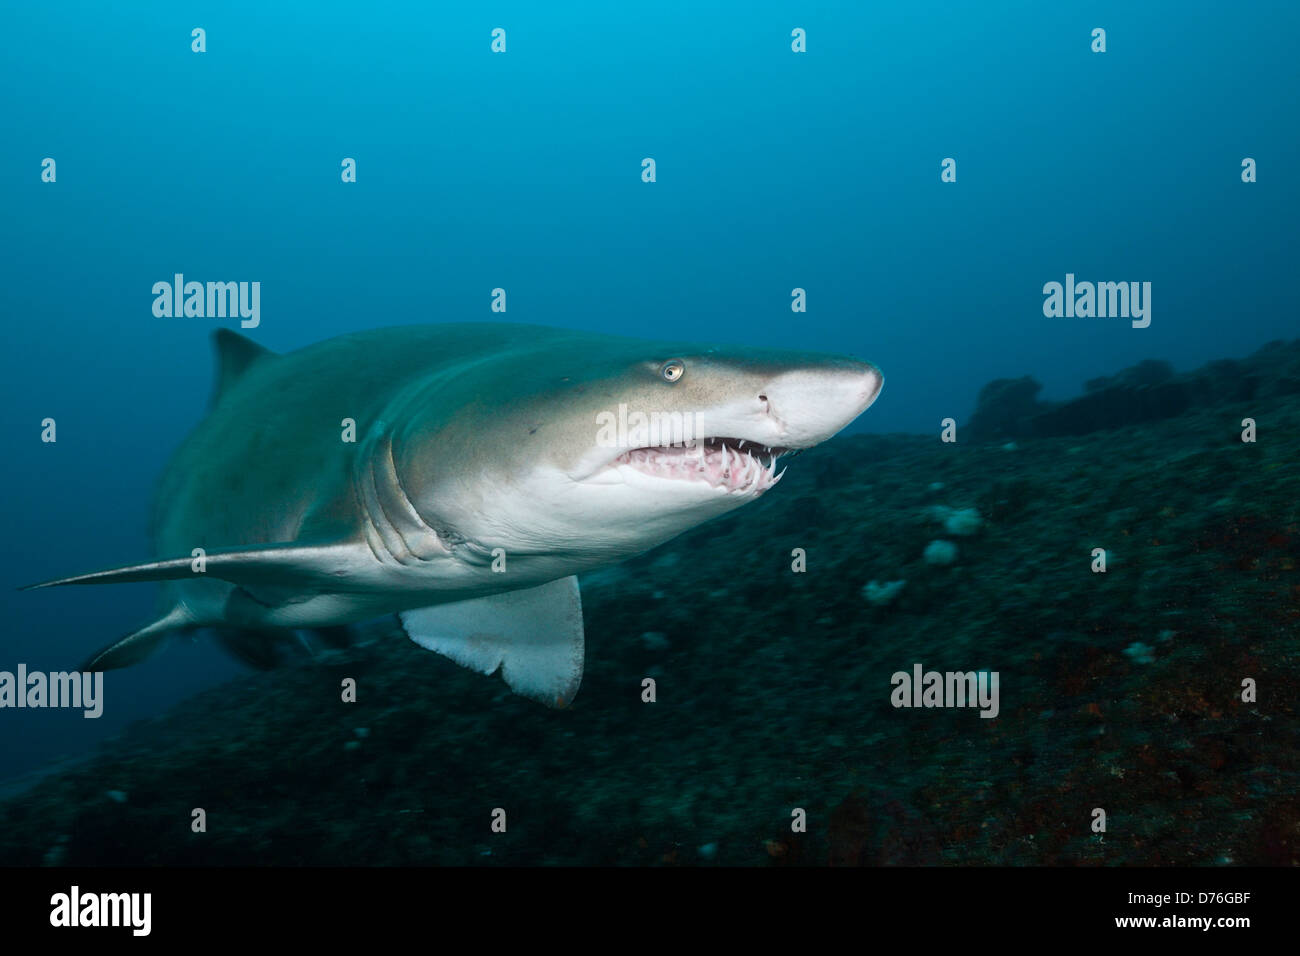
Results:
<point x="522" y="170"/>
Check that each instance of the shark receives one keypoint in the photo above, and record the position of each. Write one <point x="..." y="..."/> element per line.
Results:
<point x="460" y="477"/>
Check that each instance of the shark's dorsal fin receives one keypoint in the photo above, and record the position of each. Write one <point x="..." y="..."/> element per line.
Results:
<point x="534" y="636"/>
<point x="235" y="354"/>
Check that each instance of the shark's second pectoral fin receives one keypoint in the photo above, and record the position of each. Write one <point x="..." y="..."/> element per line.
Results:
<point x="138" y="645"/>
<point x="534" y="636"/>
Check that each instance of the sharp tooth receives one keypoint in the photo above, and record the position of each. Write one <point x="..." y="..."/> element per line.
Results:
<point x="742" y="443"/>
<point x="778" y="477"/>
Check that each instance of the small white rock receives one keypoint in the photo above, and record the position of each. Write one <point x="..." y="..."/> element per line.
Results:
<point x="940" y="552"/>
<point x="1140" y="653"/>
<point x="655" y="641"/>
<point x="963" y="523"/>
<point x="881" y="595"/>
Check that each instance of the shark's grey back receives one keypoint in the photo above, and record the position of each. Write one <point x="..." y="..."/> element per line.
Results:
<point x="271" y="452"/>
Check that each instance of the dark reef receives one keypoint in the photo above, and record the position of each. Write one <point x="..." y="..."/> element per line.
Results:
<point x="1119" y="690"/>
<point x="1149" y="391"/>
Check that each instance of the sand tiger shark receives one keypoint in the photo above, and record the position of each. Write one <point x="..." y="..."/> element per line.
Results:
<point x="483" y="473"/>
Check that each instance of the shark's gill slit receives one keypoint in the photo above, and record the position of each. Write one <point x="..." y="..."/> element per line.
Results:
<point x="402" y="531"/>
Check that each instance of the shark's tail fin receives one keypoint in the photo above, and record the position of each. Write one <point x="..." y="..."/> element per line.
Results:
<point x="138" y="645"/>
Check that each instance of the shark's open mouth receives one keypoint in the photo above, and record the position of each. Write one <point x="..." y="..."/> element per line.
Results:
<point x="729" y="464"/>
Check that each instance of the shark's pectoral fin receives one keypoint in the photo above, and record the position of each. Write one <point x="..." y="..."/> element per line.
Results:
<point x="534" y="636"/>
<point x="138" y="645"/>
<point x="294" y="566"/>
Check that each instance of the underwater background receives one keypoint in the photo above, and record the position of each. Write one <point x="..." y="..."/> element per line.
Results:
<point x="775" y="170"/>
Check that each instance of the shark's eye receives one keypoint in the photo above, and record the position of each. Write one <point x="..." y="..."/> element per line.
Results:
<point x="673" y="370"/>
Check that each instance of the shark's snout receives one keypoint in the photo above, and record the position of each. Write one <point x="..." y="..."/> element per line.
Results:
<point x="809" y="405"/>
